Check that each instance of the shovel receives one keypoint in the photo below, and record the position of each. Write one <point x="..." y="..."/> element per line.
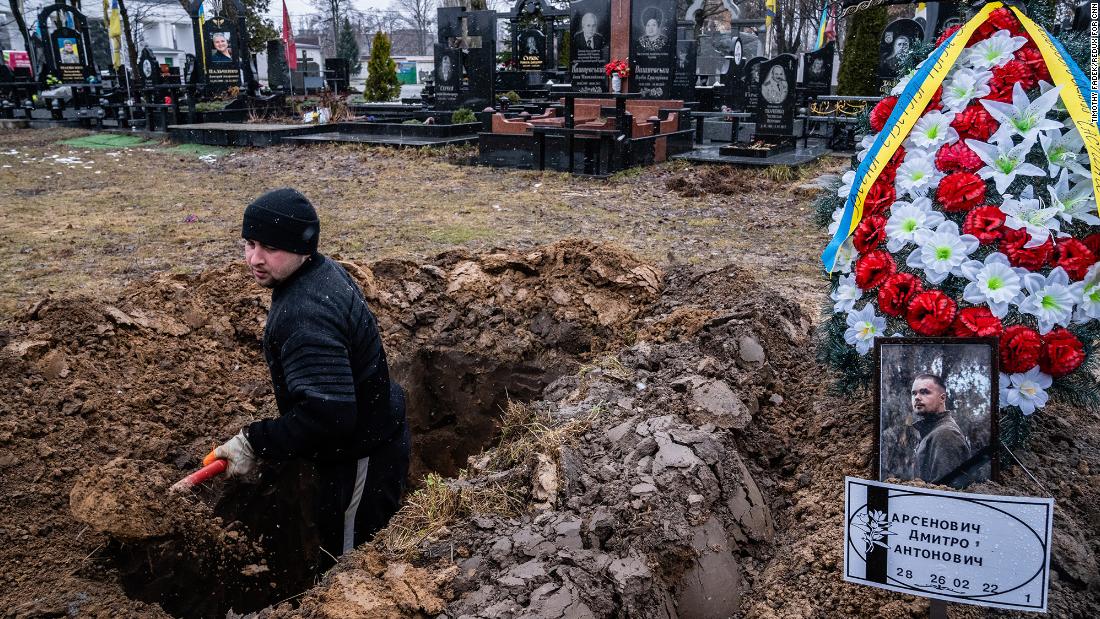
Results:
<point x="212" y="467"/>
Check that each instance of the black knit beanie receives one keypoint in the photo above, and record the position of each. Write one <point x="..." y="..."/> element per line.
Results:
<point x="283" y="219"/>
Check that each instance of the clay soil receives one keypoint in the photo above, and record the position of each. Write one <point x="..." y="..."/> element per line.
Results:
<point x="669" y="447"/>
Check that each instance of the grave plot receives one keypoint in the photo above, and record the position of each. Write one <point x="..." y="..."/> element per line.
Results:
<point x="666" y="447"/>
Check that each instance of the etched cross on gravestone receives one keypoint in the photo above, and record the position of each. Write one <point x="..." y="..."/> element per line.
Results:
<point x="465" y="58"/>
<point x="465" y="41"/>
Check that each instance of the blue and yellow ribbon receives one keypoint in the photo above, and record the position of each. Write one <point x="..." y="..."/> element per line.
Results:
<point x="919" y="92"/>
<point x="1064" y="71"/>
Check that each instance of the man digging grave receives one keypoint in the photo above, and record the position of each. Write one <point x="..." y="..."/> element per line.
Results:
<point x="337" y="456"/>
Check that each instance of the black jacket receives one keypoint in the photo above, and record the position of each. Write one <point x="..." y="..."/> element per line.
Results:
<point x="328" y="368"/>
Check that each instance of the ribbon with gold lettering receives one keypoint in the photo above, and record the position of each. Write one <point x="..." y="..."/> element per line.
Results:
<point x="909" y="107"/>
<point x="1076" y="93"/>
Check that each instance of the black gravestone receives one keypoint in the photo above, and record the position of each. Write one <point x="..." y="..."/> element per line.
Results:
<point x="278" y="72"/>
<point x="71" y="55"/>
<point x="751" y="81"/>
<point x="776" y="97"/>
<point x="899" y="37"/>
<point x="683" y="76"/>
<point x="221" y="53"/>
<point x="817" y="73"/>
<point x="529" y="47"/>
<point x="653" y="47"/>
<point x="337" y="74"/>
<point x="590" y="27"/>
<point x="149" y="68"/>
<point x="448" y="77"/>
<point x="940" y="17"/>
<point x="472" y="34"/>
<point x="733" y="84"/>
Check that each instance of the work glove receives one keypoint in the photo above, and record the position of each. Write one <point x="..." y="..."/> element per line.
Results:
<point x="238" y="451"/>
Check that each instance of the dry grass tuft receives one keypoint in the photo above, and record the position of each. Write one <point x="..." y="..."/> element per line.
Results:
<point x="502" y="486"/>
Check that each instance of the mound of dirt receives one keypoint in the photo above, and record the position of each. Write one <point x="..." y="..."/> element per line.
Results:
<point x="126" y="499"/>
<point x="670" y="450"/>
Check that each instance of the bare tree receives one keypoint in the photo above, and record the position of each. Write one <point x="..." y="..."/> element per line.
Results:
<point x="418" y="15"/>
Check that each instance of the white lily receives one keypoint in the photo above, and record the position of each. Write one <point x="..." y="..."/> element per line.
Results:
<point x="1028" y="213"/>
<point x="863" y="327"/>
<point x="965" y="86"/>
<point x="1004" y="161"/>
<point x="933" y="130"/>
<point x="1089" y="307"/>
<point x="835" y="223"/>
<point x="994" y="51"/>
<point x="1051" y="298"/>
<point x="846" y="182"/>
<point x="941" y="252"/>
<point x="1060" y="105"/>
<point x="865" y="146"/>
<point x="1026" y="390"/>
<point x="1023" y="117"/>
<point x="1063" y="150"/>
<point x="994" y="282"/>
<point x="846" y="294"/>
<point x="845" y="255"/>
<point x="1077" y="202"/>
<point x="906" y="218"/>
<point x="918" y="173"/>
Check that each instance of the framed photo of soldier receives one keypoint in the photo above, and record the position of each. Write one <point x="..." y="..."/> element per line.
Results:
<point x="935" y="402"/>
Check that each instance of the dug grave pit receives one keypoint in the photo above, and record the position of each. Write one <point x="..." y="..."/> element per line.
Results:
<point x="174" y="365"/>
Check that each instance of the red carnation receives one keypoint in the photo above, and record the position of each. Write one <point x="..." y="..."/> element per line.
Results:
<point x="1032" y="258"/>
<point x="1033" y="58"/>
<point x="1012" y="72"/>
<point x="947" y="34"/>
<point x="873" y="268"/>
<point x="897" y="292"/>
<point x="1073" y="256"/>
<point x="1020" y="347"/>
<point x="957" y="157"/>
<point x="977" y="322"/>
<point x="961" y="191"/>
<point x="974" y="122"/>
<point x="1092" y="241"/>
<point x="1003" y="19"/>
<point x="986" y="223"/>
<point x="880" y="197"/>
<point x="881" y="112"/>
<point x="889" y="174"/>
<point x="931" y="313"/>
<point x="869" y="233"/>
<point x="1061" y="353"/>
<point x="934" y="104"/>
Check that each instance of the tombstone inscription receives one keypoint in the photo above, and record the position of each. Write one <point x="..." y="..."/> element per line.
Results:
<point x="751" y="77"/>
<point x="653" y="47"/>
<point x="776" y="100"/>
<point x="590" y="27"/>
<point x="66" y="51"/>
<point x="465" y="58"/>
<point x="530" y="49"/>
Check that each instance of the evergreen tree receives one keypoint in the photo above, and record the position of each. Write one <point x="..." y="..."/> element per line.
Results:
<point x="858" y="74"/>
<point x="382" y="84"/>
<point x="347" y="47"/>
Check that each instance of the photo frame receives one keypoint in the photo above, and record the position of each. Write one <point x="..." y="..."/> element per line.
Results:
<point x="941" y="431"/>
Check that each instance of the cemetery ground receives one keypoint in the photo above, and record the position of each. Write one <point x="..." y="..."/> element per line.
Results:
<point x="612" y="386"/>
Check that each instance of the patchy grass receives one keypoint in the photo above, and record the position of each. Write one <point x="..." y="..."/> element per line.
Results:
<point x="119" y="215"/>
<point x="106" y="141"/>
<point x="200" y="150"/>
